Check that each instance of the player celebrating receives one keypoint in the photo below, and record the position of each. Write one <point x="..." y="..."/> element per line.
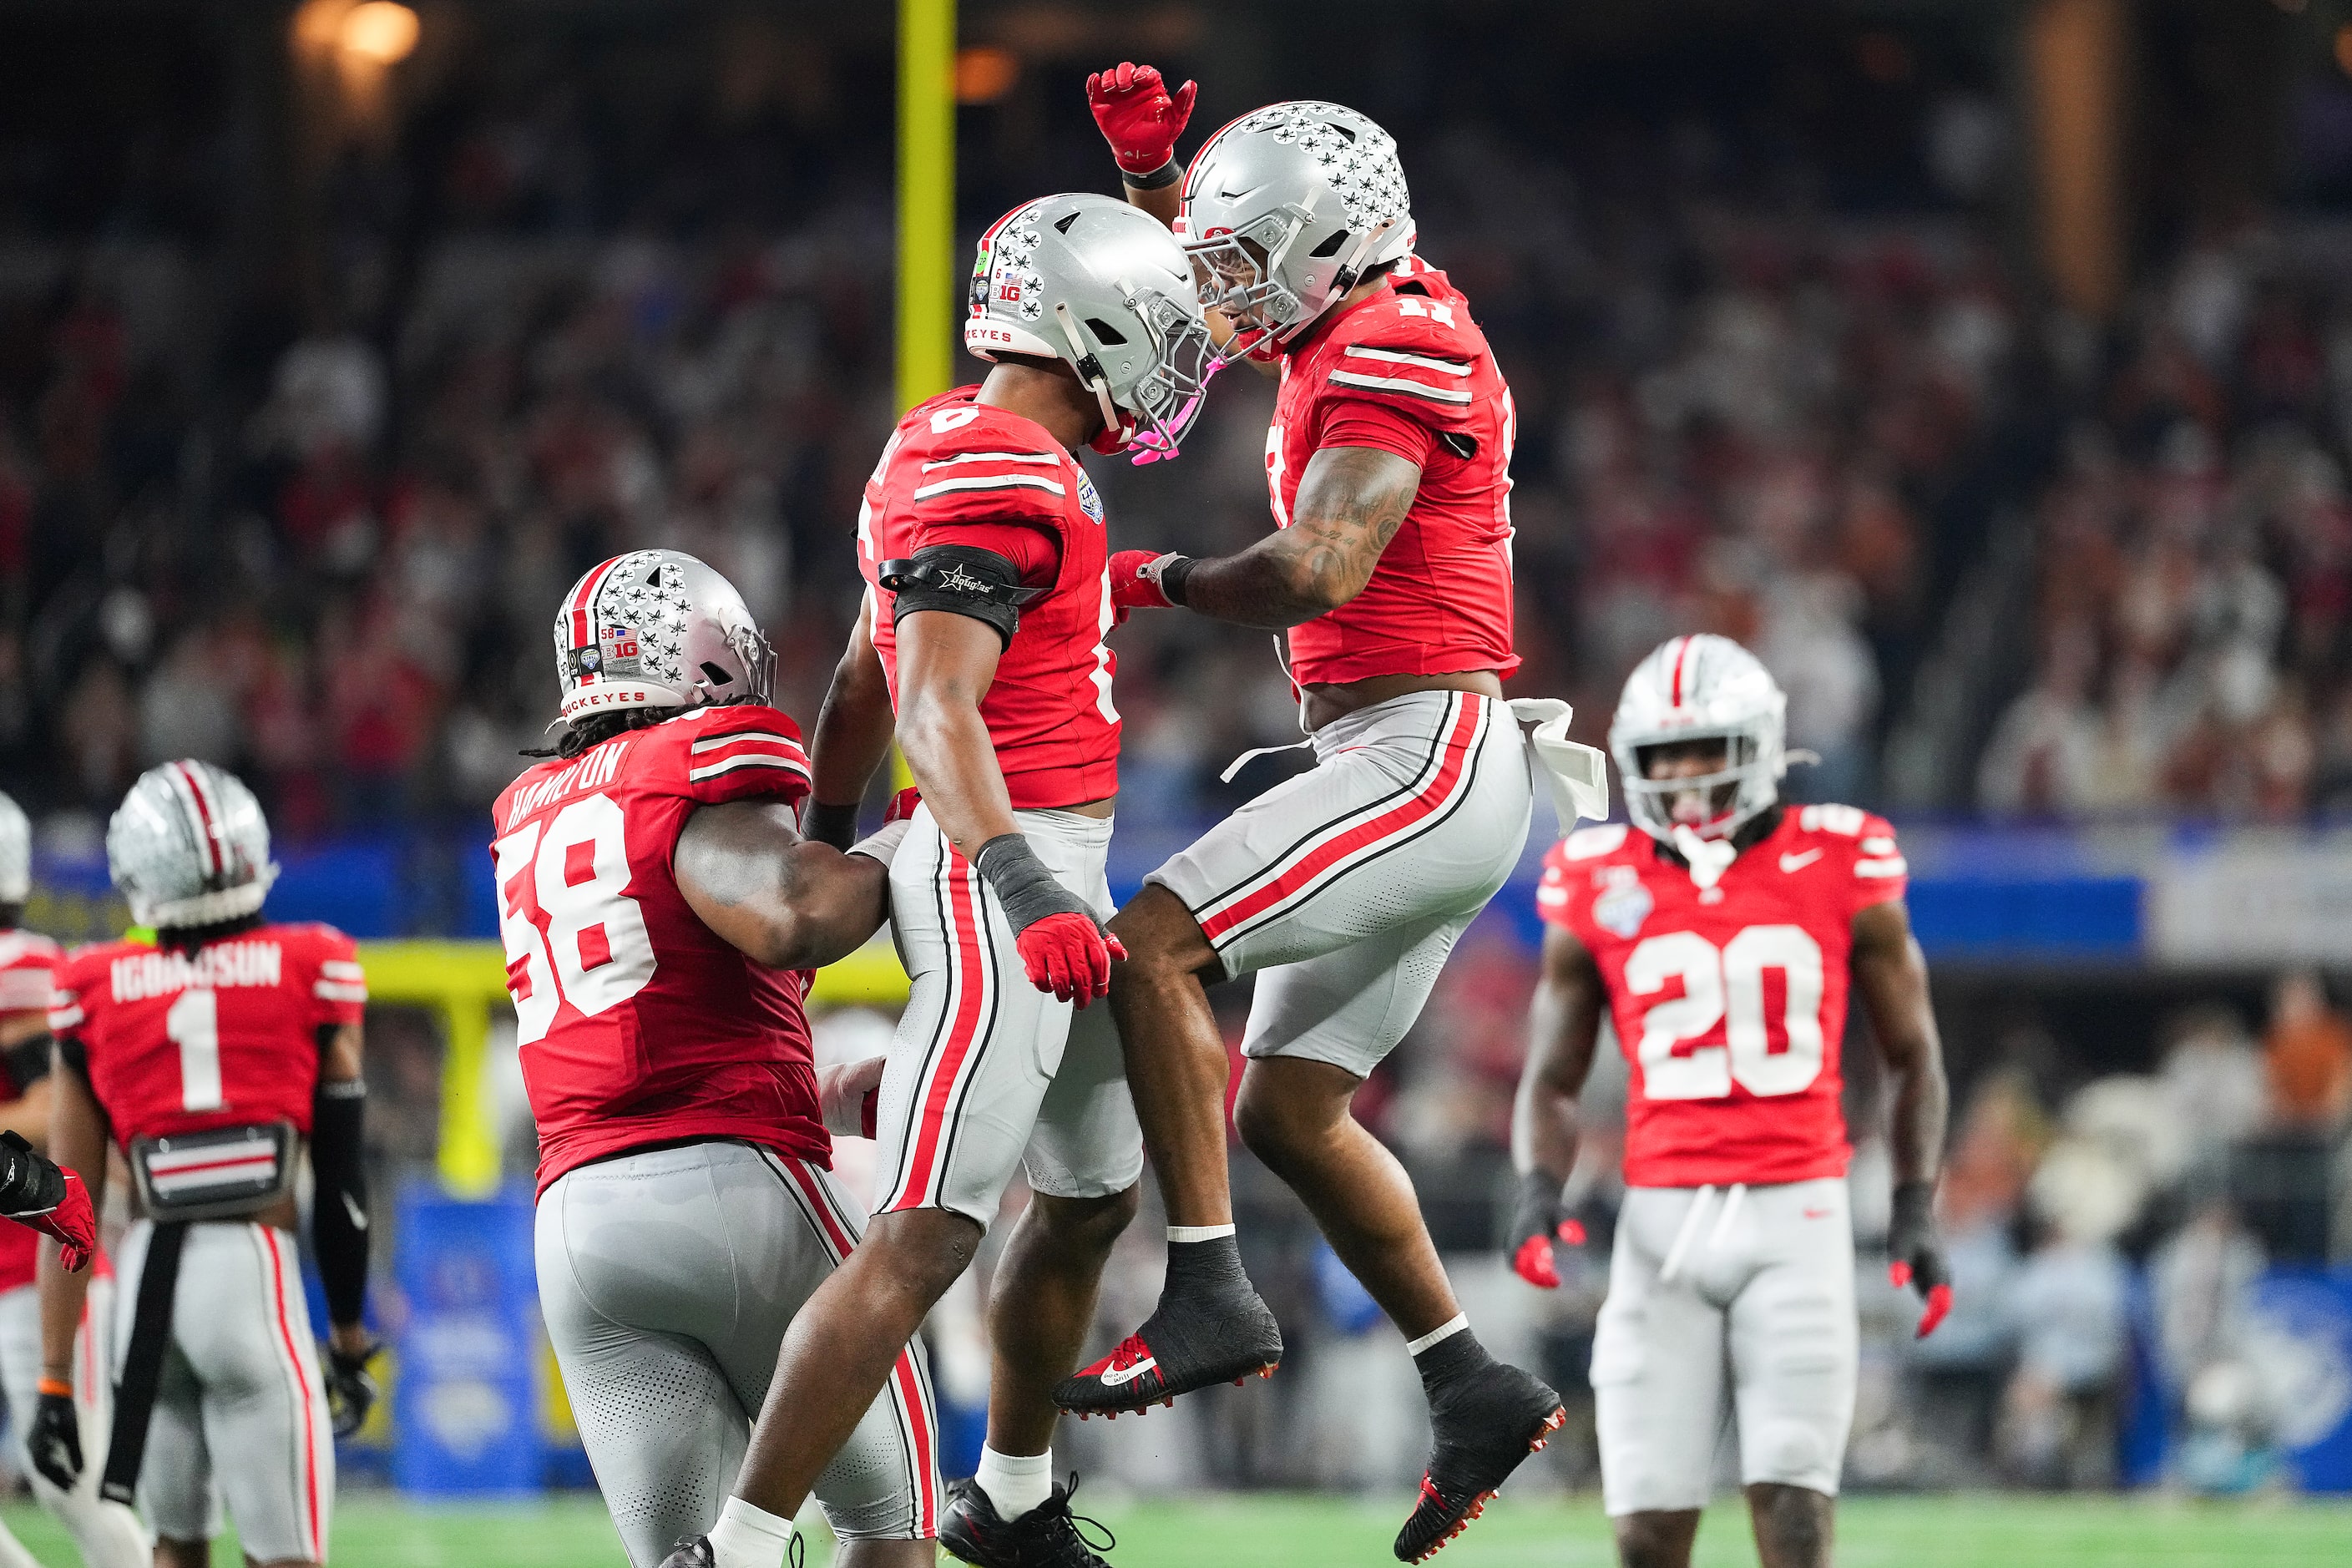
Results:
<point x="1347" y="887"/>
<point x="1723" y="938"/>
<point x="660" y="914"/>
<point x="107" y="1534"/>
<point x="984" y="541"/>
<point x="211" y="1060"/>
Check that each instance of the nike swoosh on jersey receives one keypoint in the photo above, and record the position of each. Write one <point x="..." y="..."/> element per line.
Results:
<point x="1798" y="862"/>
<point x="1112" y="1379"/>
<point x="1817" y="1214"/>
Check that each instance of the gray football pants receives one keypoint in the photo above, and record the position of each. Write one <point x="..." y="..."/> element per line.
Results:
<point x="667" y="1279"/>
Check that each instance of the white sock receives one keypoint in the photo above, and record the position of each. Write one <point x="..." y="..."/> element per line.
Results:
<point x="1015" y="1483"/>
<point x="1444" y="1331"/>
<point x="748" y="1537"/>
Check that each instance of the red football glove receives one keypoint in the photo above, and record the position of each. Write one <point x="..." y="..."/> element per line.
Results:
<point x="1140" y="117"/>
<point x="1069" y="954"/>
<point x="1135" y="581"/>
<point x="1939" y="1296"/>
<point x="903" y="804"/>
<point x="71" y="1223"/>
<point x="1538" y="1264"/>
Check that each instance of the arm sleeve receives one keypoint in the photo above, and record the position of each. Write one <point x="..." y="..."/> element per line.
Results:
<point x="1880" y="875"/>
<point x="338" y="988"/>
<point x="743" y="752"/>
<point x="338" y="1204"/>
<point x="1382" y="425"/>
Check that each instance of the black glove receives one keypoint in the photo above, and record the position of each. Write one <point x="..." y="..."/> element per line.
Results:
<point x="55" y="1439"/>
<point x="350" y="1388"/>
<point x="1537" y="1220"/>
<point x="1914" y="1254"/>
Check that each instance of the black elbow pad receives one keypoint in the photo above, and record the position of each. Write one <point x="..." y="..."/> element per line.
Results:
<point x="961" y="579"/>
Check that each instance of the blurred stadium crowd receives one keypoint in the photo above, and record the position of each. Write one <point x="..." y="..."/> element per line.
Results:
<point x="2003" y="561"/>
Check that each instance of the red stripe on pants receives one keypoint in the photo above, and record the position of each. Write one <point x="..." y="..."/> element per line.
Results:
<point x="973" y="962"/>
<point x="1340" y="846"/>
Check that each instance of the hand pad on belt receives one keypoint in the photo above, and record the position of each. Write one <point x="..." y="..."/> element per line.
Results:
<point x="55" y="1440"/>
<point x="36" y="1191"/>
<point x="350" y="1388"/>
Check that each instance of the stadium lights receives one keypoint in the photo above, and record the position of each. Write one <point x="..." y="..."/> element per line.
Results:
<point x="381" y="31"/>
<point x="984" y="74"/>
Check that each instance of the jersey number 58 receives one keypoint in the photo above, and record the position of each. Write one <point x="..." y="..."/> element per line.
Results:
<point x="572" y="933"/>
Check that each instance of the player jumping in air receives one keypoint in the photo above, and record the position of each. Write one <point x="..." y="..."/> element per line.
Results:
<point x="1344" y="888"/>
<point x="1723" y="938"/>
<point x="107" y="1534"/>
<point x="990" y="598"/>
<point x="212" y="1059"/>
<point x="661" y="913"/>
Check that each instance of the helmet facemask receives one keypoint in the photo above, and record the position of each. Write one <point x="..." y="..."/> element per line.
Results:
<point x="1157" y="410"/>
<point x="1240" y="271"/>
<point x="1713" y="804"/>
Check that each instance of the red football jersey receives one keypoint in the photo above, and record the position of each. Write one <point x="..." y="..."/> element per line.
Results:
<point x="955" y="465"/>
<point x="1729" y="1003"/>
<point x="1440" y="600"/>
<point x="179" y="1042"/>
<point x="639" y="1025"/>
<point x="26" y="961"/>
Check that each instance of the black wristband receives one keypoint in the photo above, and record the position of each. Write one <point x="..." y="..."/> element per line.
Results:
<point x="28" y="1184"/>
<point x="830" y="822"/>
<point x="1536" y="1207"/>
<point x="1161" y="178"/>
<point x="1022" y="885"/>
<point x="1171" y="579"/>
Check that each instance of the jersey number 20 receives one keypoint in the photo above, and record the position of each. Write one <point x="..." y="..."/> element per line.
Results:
<point x="1726" y="984"/>
<point x="566" y="921"/>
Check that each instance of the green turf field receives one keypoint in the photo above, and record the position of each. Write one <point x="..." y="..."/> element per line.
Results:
<point x="373" y="1530"/>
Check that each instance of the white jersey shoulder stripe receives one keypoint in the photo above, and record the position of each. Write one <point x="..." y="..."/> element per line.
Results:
<point x="713" y="742"/>
<point x="1417" y="362"/>
<point x="1894" y="866"/>
<point x="342" y="969"/>
<point x="992" y="457"/>
<point x="992" y="482"/>
<point x="748" y="760"/>
<point x="1394" y="384"/>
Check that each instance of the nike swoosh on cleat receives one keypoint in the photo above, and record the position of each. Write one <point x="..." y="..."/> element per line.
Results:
<point x="1798" y="862"/>
<point x="1128" y="1375"/>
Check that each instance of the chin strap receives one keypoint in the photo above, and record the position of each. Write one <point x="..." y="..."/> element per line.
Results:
<point x="1710" y="858"/>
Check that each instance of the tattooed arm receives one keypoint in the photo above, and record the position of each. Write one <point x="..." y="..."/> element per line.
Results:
<point x="1351" y="500"/>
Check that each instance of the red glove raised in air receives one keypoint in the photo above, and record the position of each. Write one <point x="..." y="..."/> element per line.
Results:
<point x="1140" y="117"/>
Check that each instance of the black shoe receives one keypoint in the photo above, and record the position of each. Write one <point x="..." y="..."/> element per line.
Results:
<point x="697" y="1554"/>
<point x="1183" y="1346"/>
<point x="1047" y="1536"/>
<point x="1485" y="1429"/>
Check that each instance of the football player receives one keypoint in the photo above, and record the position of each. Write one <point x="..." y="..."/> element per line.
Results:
<point x="661" y="914"/>
<point x="1344" y="888"/>
<point x="982" y="630"/>
<point x="1722" y="939"/>
<point x="107" y="1534"/>
<point x="212" y="1059"/>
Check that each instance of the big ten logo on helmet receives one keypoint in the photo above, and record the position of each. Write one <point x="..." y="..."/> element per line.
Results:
<point x="621" y="651"/>
<point x="1623" y="903"/>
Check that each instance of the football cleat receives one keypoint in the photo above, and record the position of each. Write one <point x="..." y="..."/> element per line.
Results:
<point x="1181" y="1347"/>
<point x="697" y="1554"/>
<point x="1483" y="1433"/>
<point x="1047" y="1536"/>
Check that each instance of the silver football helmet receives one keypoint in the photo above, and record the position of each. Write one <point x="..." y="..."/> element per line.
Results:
<point x="1102" y="287"/>
<point x="1315" y="191"/>
<point x="16" y="853"/>
<point x="1699" y="688"/>
<point x="657" y="628"/>
<point x="189" y="847"/>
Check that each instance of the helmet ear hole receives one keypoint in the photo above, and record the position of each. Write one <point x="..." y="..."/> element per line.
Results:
<point x="1331" y="245"/>
<point x="716" y="676"/>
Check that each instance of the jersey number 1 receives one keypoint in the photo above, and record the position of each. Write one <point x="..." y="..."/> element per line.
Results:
<point x="571" y="931"/>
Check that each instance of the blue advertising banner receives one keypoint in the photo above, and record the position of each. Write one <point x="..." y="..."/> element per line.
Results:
<point x="2303" y="1342"/>
<point x="466" y="1410"/>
